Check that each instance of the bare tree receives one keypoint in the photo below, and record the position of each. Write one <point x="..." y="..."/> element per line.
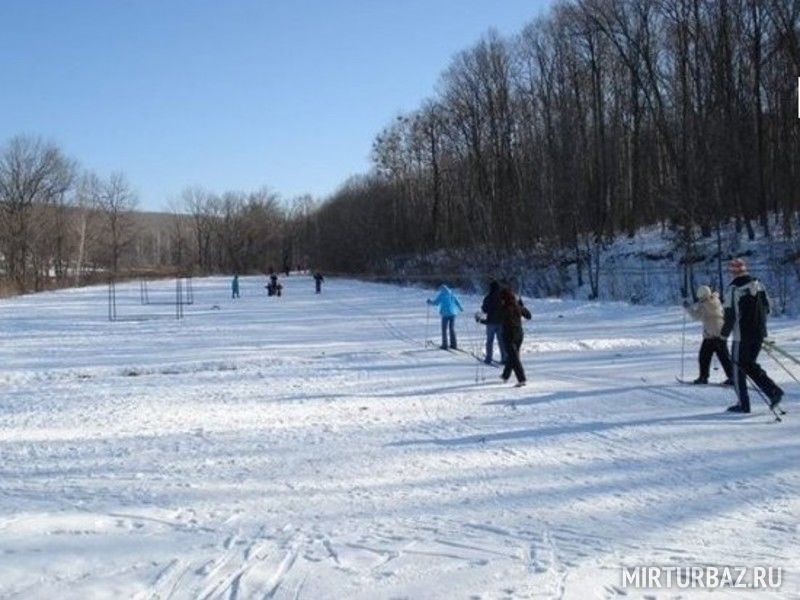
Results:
<point x="32" y="173"/>
<point x="116" y="202"/>
<point x="600" y="118"/>
<point x="86" y="202"/>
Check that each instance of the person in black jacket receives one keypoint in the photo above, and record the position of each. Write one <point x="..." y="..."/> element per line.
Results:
<point x="273" y="287"/>
<point x="746" y="310"/>
<point x="494" y="322"/>
<point x="512" y="311"/>
<point x="318" y="279"/>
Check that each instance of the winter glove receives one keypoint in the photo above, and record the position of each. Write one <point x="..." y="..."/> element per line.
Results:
<point x="429" y="301"/>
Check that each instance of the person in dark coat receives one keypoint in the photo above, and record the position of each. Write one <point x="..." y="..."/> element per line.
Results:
<point x="494" y="322"/>
<point x="235" y="287"/>
<point x="746" y="310"/>
<point x="512" y="311"/>
<point x="318" y="279"/>
<point x="273" y="287"/>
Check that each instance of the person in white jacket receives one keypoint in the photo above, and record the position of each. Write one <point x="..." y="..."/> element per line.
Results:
<point x="708" y="310"/>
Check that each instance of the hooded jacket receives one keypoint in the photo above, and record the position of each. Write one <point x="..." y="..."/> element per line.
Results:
<point x="746" y="309"/>
<point x="512" y="319"/>
<point x="448" y="303"/>
<point x="709" y="312"/>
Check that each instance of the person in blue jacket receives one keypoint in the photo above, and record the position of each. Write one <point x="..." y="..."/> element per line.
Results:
<point x="449" y="307"/>
<point x="235" y="287"/>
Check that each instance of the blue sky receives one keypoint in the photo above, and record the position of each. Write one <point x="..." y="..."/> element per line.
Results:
<point x="229" y="95"/>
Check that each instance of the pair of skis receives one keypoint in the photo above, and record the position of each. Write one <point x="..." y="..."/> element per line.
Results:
<point x="776" y="410"/>
<point x="687" y="382"/>
<point x="772" y="349"/>
<point x="480" y="359"/>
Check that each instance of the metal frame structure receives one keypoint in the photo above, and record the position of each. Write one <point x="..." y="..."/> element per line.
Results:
<point x="184" y="295"/>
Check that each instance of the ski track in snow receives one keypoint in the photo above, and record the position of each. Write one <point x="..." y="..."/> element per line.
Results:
<point x="318" y="447"/>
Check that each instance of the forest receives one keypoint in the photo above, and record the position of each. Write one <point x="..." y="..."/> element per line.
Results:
<point x="595" y="120"/>
<point x="599" y="119"/>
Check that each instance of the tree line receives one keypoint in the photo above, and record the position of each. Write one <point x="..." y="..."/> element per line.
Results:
<point x="62" y="225"/>
<point x="597" y="119"/>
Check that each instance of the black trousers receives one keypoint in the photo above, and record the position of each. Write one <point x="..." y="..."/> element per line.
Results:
<point x="708" y="348"/>
<point x="512" y="341"/>
<point x="745" y="353"/>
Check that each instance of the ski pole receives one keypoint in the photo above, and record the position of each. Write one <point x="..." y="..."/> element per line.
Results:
<point x="683" y="344"/>
<point x="477" y="349"/>
<point x="468" y="335"/>
<point x="427" y="326"/>
<point x="472" y="350"/>
<point x="779" y="363"/>
<point x="775" y="411"/>
<point x="773" y="346"/>
<point x="483" y="367"/>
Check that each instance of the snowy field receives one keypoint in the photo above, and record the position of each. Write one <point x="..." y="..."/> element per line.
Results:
<point x="314" y="447"/>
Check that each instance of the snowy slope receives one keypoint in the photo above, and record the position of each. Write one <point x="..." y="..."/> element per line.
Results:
<point x="314" y="447"/>
<point x="647" y="268"/>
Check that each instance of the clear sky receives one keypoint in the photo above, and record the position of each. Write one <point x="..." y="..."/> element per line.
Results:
<point x="230" y="94"/>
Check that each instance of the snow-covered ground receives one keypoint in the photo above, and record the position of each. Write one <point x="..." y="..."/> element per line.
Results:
<point x="313" y="447"/>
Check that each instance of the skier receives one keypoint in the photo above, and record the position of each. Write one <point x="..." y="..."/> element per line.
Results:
<point x="318" y="279"/>
<point x="493" y="320"/>
<point x="746" y="311"/>
<point x="512" y="311"/>
<point x="235" y="286"/>
<point x="273" y="287"/>
<point x="449" y="307"/>
<point x="708" y="309"/>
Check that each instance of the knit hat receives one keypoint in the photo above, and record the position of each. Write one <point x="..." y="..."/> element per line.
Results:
<point x="737" y="266"/>
<point x="703" y="292"/>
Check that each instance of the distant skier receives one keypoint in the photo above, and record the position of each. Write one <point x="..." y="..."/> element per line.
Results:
<point x="449" y="307"/>
<point x="273" y="287"/>
<point x="512" y="311"/>
<point x="235" y="287"/>
<point x="746" y="310"/>
<point x="708" y="309"/>
<point x="493" y="320"/>
<point x="318" y="279"/>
